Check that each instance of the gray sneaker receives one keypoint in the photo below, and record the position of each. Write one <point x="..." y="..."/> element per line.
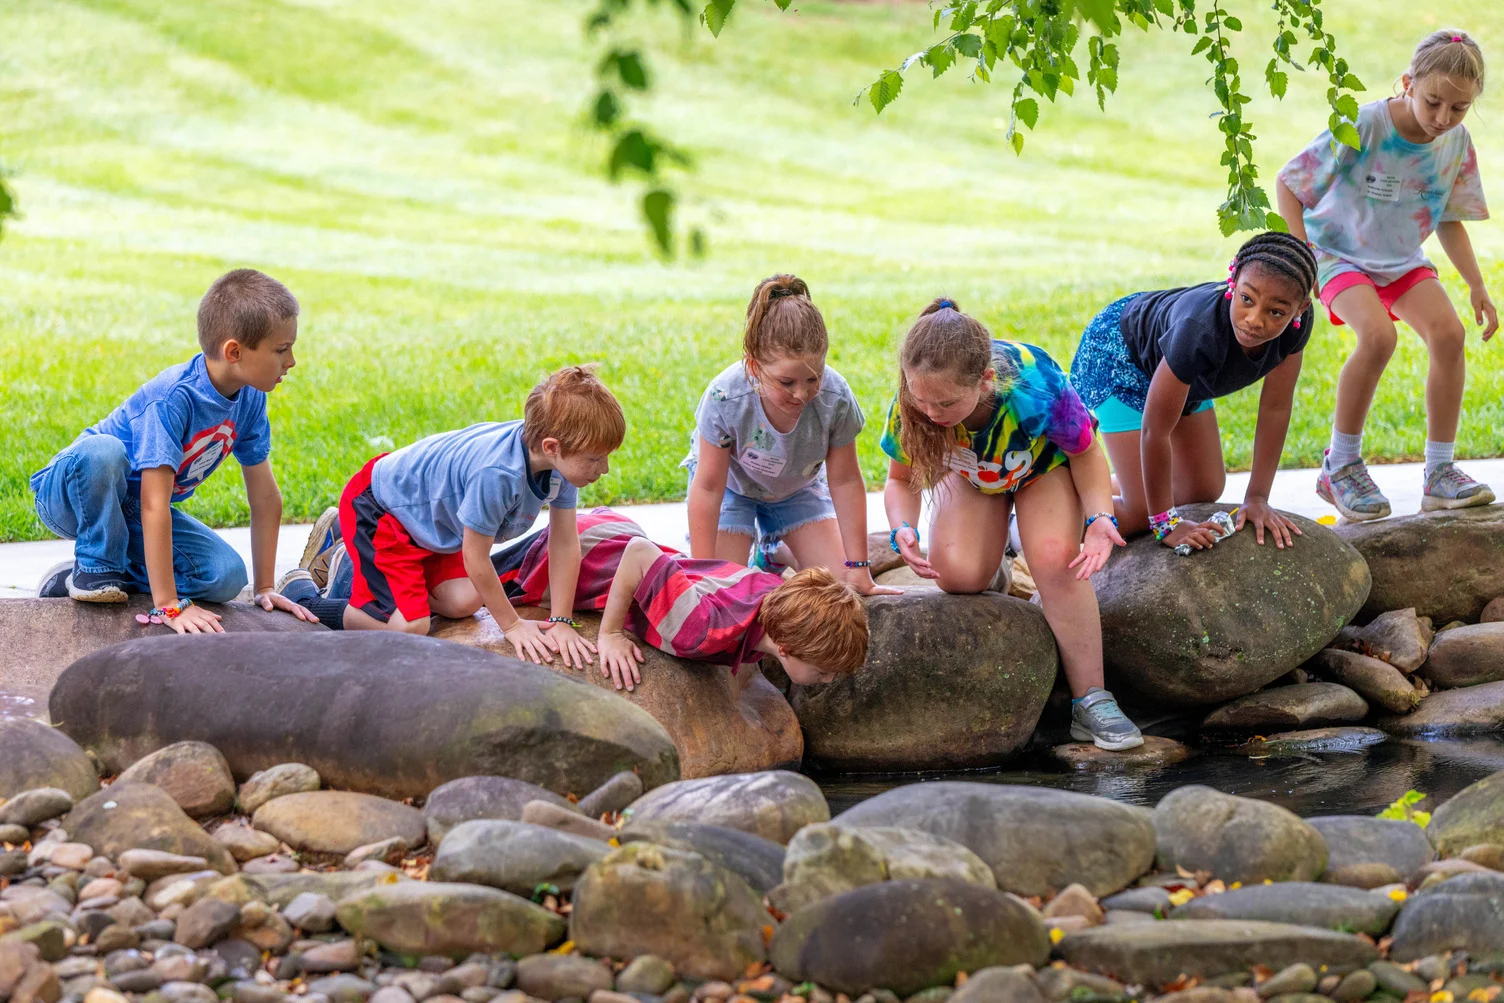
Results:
<point x="1448" y="487"/>
<point x="1096" y="718"/>
<point x="1352" y="492"/>
<point x="322" y="539"/>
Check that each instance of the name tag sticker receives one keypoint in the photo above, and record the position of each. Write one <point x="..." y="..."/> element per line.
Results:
<point x="963" y="460"/>
<point x="767" y="464"/>
<point x="1384" y="187"/>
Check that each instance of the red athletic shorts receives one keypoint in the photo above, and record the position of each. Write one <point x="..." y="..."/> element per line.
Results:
<point x="392" y="573"/>
<point x="1387" y="294"/>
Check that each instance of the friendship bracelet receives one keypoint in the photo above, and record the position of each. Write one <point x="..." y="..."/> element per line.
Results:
<point x="1101" y="515"/>
<point x="566" y="619"/>
<point x="859" y="564"/>
<point x="893" y="537"/>
<point x="161" y="614"/>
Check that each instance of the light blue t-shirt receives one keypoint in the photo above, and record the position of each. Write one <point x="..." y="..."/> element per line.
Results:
<point x="177" y="419"/>
<point x="475" y="477"/>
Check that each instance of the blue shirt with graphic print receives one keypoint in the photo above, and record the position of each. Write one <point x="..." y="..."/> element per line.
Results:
<point x="179" y="420"/>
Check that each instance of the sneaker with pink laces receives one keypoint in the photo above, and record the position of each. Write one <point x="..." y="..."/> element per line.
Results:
<point x="1352" y="491"/>
<point x="1448" y="487"/>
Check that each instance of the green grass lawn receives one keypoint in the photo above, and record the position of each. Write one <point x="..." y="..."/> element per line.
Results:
<point x="418" y="174"/>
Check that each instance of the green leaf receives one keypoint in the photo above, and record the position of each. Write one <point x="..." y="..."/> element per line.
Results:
<point x="1274" y="221"/>
<point x="885" y="90"/>
<point x="968" y="45"/>
<point x="626" y="65"/>
<point x="782" y="5"/>
<point x="1098" y="12"/>
<point x="1344" y="133"/>
<point x="633" y="149"/>
<point x="1231" y="23"/>
<point x="606" y="110"/>
<point x="1347" y="107"/>
<point x="715" y="14"/>
<point x="1202" y="44"/>
<point x="1027" y="111"/>
<point x="1165" y="7"/>
<point x="938" y="58"/>
<point x="1017" y="140"/>
<point x="658" y="210"/>
<point x="698" y="243"/>
<point x="1352" y="83"/>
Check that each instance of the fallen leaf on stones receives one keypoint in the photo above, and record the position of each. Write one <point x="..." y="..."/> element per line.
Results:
<point x="961" y="978"/>
<point x="565" y="948"/>
<point x="1056" y="935"/>
<point x="1182" y="981"/>
<point x="758" y="985"/>
<point x="767" y="938"/>
<point x="1214" y="888"/>
<point x="1383" y="946"/>
<point x="1441" y="996"/>
<point x="756" y="969"/>
<point x="1183" y="872"/>
<point x="1398" y="894"/>
<point x="1181" y="896"/>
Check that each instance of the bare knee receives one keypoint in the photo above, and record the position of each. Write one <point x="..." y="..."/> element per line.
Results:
<point x="1377" y="340"/>
<point x="963" y="583"/>
<point x="418" y="626"/>
<point x="1201" y="486"/>
<point x="455" y="609"/>
<point x="1445" y="341"/>
<point x="1049" y="560"/>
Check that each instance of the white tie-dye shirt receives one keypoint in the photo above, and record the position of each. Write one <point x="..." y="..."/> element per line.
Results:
<point x="1371" y="211"/>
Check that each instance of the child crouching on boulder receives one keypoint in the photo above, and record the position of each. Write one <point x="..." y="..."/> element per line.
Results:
<point x="418" y="524"/>
<point x="990" y="426"/>
<point x="707" y="610"/>
<point x="1150" y="365"/>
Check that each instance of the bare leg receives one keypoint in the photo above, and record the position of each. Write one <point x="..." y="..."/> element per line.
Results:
<point x="733" y="547"/>
<point x="1049" y="525"/>
<point x="818" y="545"/>
<point x="359" y="619"/>
<point x="455" y="599"/>
<point x="1360" y="308"/>
<point x="968" y="536"/>
<point x="1198" y="472"/>
<point x="1427" y="309"/>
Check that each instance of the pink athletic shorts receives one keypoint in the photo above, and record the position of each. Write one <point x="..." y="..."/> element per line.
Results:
<point x="1387" y="294"/>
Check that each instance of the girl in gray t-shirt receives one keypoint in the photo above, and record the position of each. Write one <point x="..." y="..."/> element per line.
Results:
<point x="773" y="455"/>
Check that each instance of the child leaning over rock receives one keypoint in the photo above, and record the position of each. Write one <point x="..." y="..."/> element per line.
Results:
<point x="988" y="426"/>
<point x="707" y="610"/>
<point x="114" y="490"/>
<point x="418" y="524"/>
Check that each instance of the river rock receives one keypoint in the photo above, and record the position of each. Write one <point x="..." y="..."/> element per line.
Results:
<point x="1398" y="637"/>
<point x="1222" y="623"/>
<point x="562" y="976"/>
<point x="127" y="816"/>
<point x="275" y="782"/>
<point x="648" y="899"/>
<point x="514" y="856"/>
<point x="338" y="821"/>
<point x="717" y="724"/>
<point x="905" y="936"/>
<point x="311" y="912"/>
<point x="388" y="714"/>
<point x="1236" y="839"/>
<point x="612" y="796"/>
<point x="206" y="922"/>
<point x="1473" y="815"/>
<point x="1036" y="840"/>
<point x="1467" y="656"/>
<point x="28" y="808"/>
<point x="1300" y="902"/>
<point x="1375" y="681"/>
<point x="997" y="985"/>
<point x="1303" y="743"/>
<point x="470" y="798"/>
<point x="1465" y="913"/>
<point x="829" y="859"/>
<point x="430" y="917"/>
<point x="1158" y="953"/>
<point x="1156" y="752"/>
<point x="1356" y="841"/>
<point x="1447" y="565"/>
<point x="281" y="889"/>
<point x="976" y="701"/>
<point x="881" y="555"/>
<point x="32" y="755"/>
<point x="193" y="773"/>
<point x="774" y="805"/>
<point x="1303" y="705"/>
<point x="756" y="860"/>
<point x="1472" y="710"/>
<point x="244" y="842"/>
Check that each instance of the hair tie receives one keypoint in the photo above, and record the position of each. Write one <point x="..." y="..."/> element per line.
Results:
<point x="945" y="305"/>
<point x="779" y="292"/>
<point x="1456" y="38"/>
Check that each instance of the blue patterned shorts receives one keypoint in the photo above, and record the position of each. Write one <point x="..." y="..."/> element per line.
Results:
<point x="1102" y="367"/>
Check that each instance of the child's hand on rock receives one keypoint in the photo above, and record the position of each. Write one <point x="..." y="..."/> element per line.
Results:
<point x="619" y="660"/>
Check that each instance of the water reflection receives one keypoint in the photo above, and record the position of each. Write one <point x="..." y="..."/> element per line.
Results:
<point x="1310" y="784"/>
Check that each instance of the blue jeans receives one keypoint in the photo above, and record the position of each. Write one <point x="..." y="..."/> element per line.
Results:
<point x="83" y="496"/>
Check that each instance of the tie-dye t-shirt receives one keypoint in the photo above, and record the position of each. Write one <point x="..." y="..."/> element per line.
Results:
<point x="1369" y="211"/>
<point x="1038" y="421"/>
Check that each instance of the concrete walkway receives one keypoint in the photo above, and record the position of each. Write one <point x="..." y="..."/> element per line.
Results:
<point x="23" y="564"/>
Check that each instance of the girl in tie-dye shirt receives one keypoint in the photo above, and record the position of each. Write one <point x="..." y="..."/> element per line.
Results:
<point x="989" y="426"/>
<point x="1367" y="212"/>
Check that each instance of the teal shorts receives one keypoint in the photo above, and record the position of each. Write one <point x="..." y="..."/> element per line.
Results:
<point x="1115" y="416"/>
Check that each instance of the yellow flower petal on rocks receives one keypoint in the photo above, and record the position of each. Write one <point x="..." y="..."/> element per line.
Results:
<point x="1398" y="894"/>
<point x="1181" y="896"/>
<point x="1441" y="996"/>
<point x="565" y="948"/>
<point x="1056" y="935"/>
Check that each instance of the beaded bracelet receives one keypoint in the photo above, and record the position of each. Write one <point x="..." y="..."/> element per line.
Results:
<point x="1164" y="523"/>
<point x="893" y="537"/>
<point x="859" y="564"/>
<point x="161" y="614"/>
<point x="565" y="619"/>
<point x="1101" y="515"/>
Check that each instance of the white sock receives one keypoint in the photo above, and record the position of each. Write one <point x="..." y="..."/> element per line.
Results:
<point x="1345" y="449"/>
<point x="1438" y="453"/>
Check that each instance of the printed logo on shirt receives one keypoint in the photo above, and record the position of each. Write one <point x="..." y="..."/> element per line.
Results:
<point x="1384" y="187"/>
<point x="201" y="454"/>
<point x="1005" y="476"/>
<point x="761" y="462"/>
<point x="963" y="461"/>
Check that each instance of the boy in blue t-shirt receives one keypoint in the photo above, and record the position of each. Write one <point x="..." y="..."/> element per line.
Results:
<point x="113" y="490"/>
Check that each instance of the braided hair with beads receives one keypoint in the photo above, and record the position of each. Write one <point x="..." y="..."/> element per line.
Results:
<point x="1281" y="253"/>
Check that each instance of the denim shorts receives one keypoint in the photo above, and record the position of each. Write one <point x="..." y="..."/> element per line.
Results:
<point x="770" y="522"/>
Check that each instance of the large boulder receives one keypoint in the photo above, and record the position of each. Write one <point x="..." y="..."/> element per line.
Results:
<point x="718" y="722"/>
<point x="1236" y="839"/>
<point x="1304" y="705"/>
<point x="1356" y="844"/>
<point x="774" y="805"/>
<point x="1399" y="637"/>
<point x="951" y="682"/>
<point x="469" y="798"/>
<point x="33" y="755"/>
<point x="1473" y="815"/>
<point x="194" y="773"/>
<point x="339" y="821"/>
<point x="388" y="714"/>
<point x="39" y="638"/>
<point x="1467" y="656"/>
<point x="1198" y="630"/>
<point x="1447" y="565"/>
<point x="1158" y="953"/>
<point x="648" y="899"/>
<point x="135" y="816"/>
<point x="1472" y="710"/>
<point x="829" y="859"/>
<point x="1465" y="913"/>
<point x="757" y="861"/>
<point x="908" y="935"/>
<point x="1301" y="902"/>
<point x="434" y="917"/>
<point x="1037" y="840"/>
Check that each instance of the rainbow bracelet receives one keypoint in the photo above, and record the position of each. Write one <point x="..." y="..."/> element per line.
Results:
<point x="1163" y="524"/>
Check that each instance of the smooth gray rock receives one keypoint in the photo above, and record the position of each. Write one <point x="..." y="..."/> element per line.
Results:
<point x="774" y="804"/>
<point x="997" y="985"/>
<point x="562" y="976"/>
<point x="1398" y="637"/>
<point x="1157" y="953"/>
<point x="1236" y="839"/>
<point x="193" y="773"/>
<point x="28" y="808"/>
<point x="429" y="917"/>
<point x="1377" y="682"/>
<point x="829" y="859"/>
<point x="514" y="856"/>
<point x="1473" y="815"/>
<point x="1472" y="710"/>
<point x="756" y="860"/>
<point x="32" y="756"/>
<point x="1354" y="840"/>
<point x="1037" y="840"/>
<point x="1467" y="656"/>
<point x="906" y="936"/>
<point x="311" y="911"/>
<point x="1445" y="565"/>
<point x="274" y="782"/>
<point x="1304" y="705"/>
<point x="1464" y="913"/>
<point x="468" y="798"/>
<point x="339" y="821"/>
<point x="611" y="796"/>
<point x="1304" y="903"/>
<point x="126" y="816"/>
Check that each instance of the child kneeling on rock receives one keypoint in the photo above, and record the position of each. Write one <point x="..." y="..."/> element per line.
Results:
<point x="418" y="524"/>
<point x="707" y="610"/>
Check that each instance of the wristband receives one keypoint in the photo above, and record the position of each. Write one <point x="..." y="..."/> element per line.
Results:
<point x="893" y="537"/>
<point x="1164" y="523"/>
<point x="859" y="564"/>
<point x="566" y="619"/>
<point x="161" y="614"/>
<point x="1101" y="515"/>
